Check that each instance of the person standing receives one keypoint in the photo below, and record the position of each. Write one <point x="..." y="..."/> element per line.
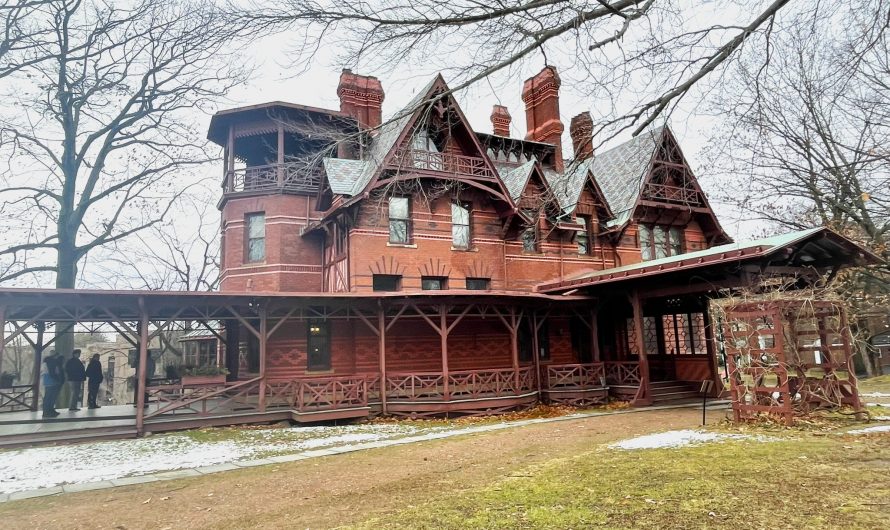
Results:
<point x="76" y="376"/>
<point x="94" y="379"/>
<point x="51" y="387"/>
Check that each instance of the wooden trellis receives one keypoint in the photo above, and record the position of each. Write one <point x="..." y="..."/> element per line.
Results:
<point x="787" y="357"/>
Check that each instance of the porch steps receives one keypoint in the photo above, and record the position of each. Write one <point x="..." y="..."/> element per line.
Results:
<point x="670" y="392"/>
<point x="54" y="437"/>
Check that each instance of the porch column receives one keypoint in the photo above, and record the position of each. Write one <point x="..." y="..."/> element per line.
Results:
<point x="381" y="335"/>
<point x="140" y="371"/>
<point x="594" y="336"/>
<point x="264" y="333"/>
<point x="443" y="337"/>
<point x="280" y="155"/>
<point x="35" y="370"/>
<point x="2" y="335"/>
<point x="642" y="397"/>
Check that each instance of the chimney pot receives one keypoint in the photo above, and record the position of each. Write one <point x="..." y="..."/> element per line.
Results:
<point x="581" y="130"/>
<point x="500" y="120"/>
<point x="541" y="97"/>
<point x="361" y="96"/>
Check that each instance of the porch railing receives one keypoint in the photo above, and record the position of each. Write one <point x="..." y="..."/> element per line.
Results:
<point x="290" y="177"/>
<point x="205" y="399"/>
<point x="330" y="393"/>
<point x="462" y="384"/>
<point x="622" y="372"/>
<point x="408" y="159"/>
<point x="16" y="398"/>
<point x="574" y="376"/>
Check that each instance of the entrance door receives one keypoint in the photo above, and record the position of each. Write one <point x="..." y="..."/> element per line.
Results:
<point x="318" y="345"/>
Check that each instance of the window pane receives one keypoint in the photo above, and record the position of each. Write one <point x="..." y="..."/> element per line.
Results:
<point x="256" y="225"/>
<point x="460" y="214"/>
<point x="256" y="249"/>
<point x="583" y="245"/>
<point x="645" y="242"/>
<point x="478" y="284"/>
<point x="398" y="231"/>
<point x="460" y="236"/>
<point x="398" y="207"/>
<point x="660" y="242"/>
<point x="528" y="240"/>
<point x="676" y="241"/>
<point x="386" y="282"/>
<point x="432" y="284"/>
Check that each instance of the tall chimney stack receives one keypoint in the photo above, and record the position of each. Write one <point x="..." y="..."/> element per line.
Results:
<point x="541" y="96"/>
<point x="361" y="96"/>
<point x="581" y="130"/>
<point x="500" y="120"/>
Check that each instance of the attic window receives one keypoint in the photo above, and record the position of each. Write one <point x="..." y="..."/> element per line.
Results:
<point x="583" y="236"/>
<point x="660" y="241"/>
<point x="423" y="142"/>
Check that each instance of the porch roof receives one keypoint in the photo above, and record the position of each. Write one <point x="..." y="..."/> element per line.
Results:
<point x="815" y="247"/>
<point x="94" y="305"/>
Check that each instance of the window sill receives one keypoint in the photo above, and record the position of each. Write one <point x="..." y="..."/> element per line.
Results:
<point x="459" y="249"/>
<point x="402" y="245"/>
<point x="253" y="263"/>
<point x="319" y="372"/>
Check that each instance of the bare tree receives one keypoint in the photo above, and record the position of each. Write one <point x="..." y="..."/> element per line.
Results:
<point x="804" y="141"/>
<point x="656" y="51"/>
<point x="100" y="123"/>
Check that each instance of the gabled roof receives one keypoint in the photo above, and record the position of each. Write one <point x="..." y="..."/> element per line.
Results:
<point x="344" y="175"/>
<point x="568" y="186"/>
<point x="620" y="171"/>
<point x="516" y="178"/>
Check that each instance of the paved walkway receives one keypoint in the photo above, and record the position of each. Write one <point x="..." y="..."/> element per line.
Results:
<point x="194" y="472"/>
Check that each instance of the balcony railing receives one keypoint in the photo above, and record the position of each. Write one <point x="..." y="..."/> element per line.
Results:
<point x="416" y="159"/>
<point x="672" y="194"/>
<point x="290" y="177"/>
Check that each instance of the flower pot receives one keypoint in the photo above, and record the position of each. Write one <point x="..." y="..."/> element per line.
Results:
<point x="189" y="380"/>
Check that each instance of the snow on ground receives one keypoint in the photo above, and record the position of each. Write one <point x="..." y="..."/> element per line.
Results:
<point x="680" y="438"/>
<point x="41" y="467"/>
<point x="875" y="395"/>
<point x="870" y="430"/>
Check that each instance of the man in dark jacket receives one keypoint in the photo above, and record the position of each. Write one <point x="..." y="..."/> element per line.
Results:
<point x="51" y="386"/>
<point x="94" y="379"/>
<point x="76" y="375"/>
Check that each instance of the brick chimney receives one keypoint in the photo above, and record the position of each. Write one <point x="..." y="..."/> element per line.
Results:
<point x="361" y="96"/>
<point x="500" y="120"/>
<point x="581" y="129"/>
<point x="541" y="96"/>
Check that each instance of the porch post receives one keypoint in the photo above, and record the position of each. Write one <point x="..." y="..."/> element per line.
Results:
<point x="280" y="155"/>
<point x="514" y="347"/>
<point x="594" y="336"/>
<point x="443" y="336"/>
<point x="710" y="347"/>
<point x="35" y="370"/>
<point x="140" y="371"/>
<point x="536" y="356"/>
<point x="642" y="397"/>
<point x="263" y="335"/>
<point x="230" y="159"/>
<point x="381" y="327"/>
<point x="2" y="334"/>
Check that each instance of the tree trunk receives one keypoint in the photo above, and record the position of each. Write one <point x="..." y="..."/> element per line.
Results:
<point x="66" y="276"/>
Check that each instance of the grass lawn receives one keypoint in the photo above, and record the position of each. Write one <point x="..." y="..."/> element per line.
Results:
<point x="803" y="480"/>
<point x="880" y="383"/>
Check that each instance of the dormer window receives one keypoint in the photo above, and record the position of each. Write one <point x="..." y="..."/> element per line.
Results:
<point x="423" y="142"/>
<point x="660" y="241"/>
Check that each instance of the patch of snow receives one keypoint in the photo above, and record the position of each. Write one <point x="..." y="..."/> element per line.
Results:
<point x="875" y="395"/>
<point x="870" y="430"/>
<point x="42" y="467"/>
<point x="881" y="418"/>
<point x="680" y="438"/>
<point x="878" y="405"/>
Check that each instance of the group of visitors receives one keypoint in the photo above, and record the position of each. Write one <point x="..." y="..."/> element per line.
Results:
<point x="57" y="372"/>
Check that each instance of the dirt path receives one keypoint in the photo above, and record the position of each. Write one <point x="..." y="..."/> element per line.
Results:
<point x="337" y="490"/>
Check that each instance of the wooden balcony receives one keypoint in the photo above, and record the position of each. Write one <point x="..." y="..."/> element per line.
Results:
<point x="407" y="160"/>
<point x="290" y="177"/>
<point x="672" y="194"/>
